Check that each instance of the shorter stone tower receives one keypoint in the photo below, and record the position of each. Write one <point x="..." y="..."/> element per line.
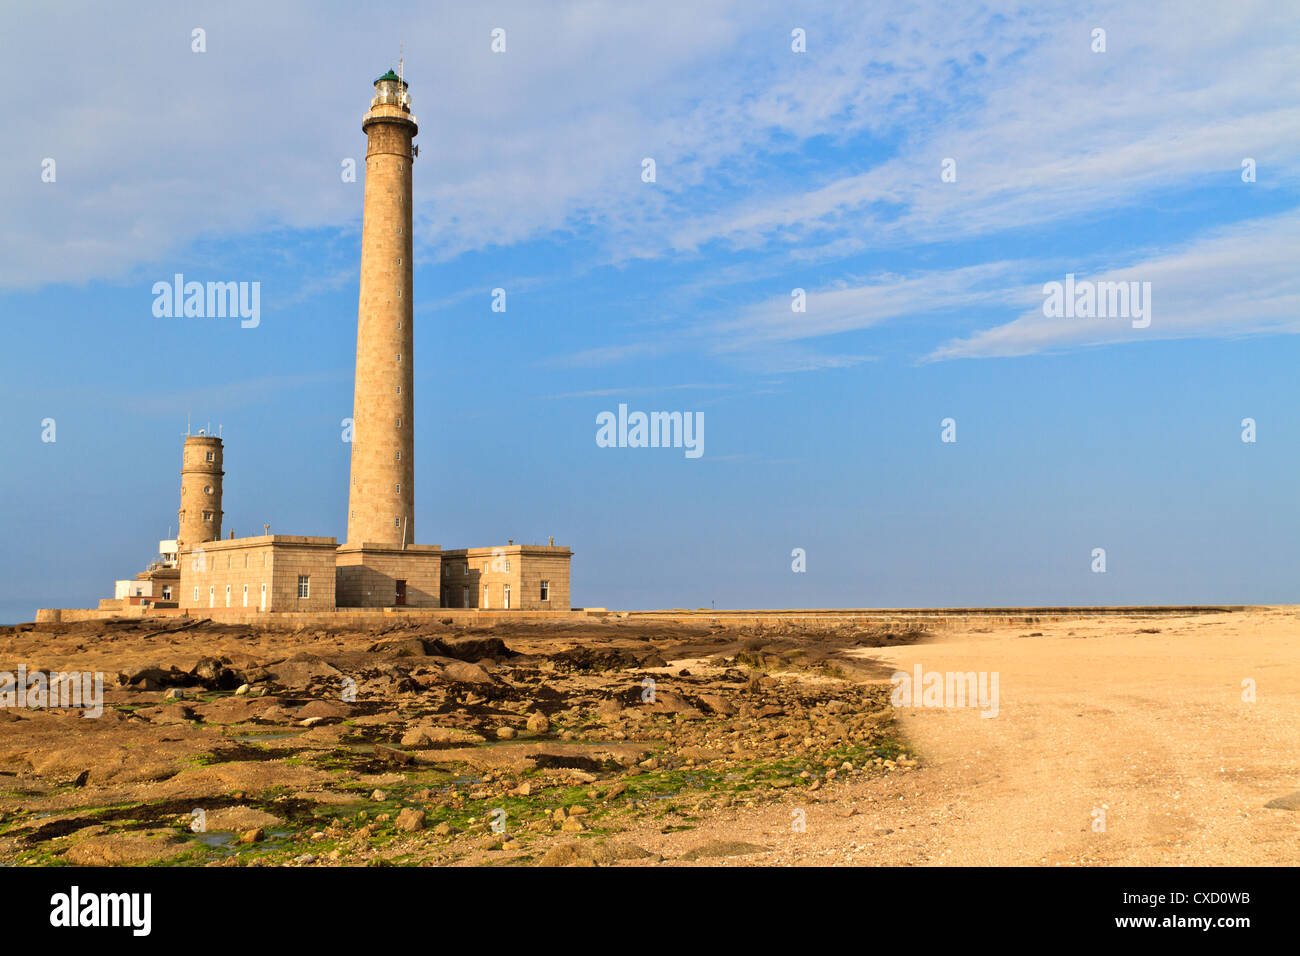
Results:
<point x="201" y="474"/>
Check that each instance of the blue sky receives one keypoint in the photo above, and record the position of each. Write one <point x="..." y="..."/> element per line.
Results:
<point x="775" y="170"/>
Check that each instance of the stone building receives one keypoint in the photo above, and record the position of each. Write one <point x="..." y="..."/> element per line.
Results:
<point x="511" y="578"/>
<point x="379" y="565"/>
<point x="273" y="572"/>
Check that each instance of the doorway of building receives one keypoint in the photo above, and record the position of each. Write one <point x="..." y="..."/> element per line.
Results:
<point x="401" y="593"/>
<point x="505" y="597"/>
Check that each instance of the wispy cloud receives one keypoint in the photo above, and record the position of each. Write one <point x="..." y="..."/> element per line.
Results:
<point x="640" y="390"/>
<point x="1240" y="280"/>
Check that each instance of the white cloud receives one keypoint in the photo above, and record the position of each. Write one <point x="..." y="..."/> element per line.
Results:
<point x="1240" y="280"/>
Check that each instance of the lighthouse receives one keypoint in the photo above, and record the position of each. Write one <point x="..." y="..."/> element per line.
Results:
<point x="381" y="494"/>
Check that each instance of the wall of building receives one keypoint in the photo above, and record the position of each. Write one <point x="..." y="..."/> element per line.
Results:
<point x="522" y="568"/>
<point x="275" y="561"/>
<point x="368" y="574"/>
<point x="129" y="588"/>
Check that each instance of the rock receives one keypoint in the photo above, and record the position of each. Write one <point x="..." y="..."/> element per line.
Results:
<point x="325" y="709"/>
<point x="152" y="678"/>
<point x="472" y="648"/>
<point x="567" y="855"/>
<point x="572" y="825"/>
<point x="592" y="854"/>
<point x="442" y="830"/>
<point x="254" y="835"/>
<point x="505" y="733"/>
<point x="525" y="789"/>
<point x="174" y="694"/>
<point x="463" y="673"/>
<point x="429" y="736"/>
<point x="379" y="796"/>
<point x="416" y="738"/>
<point x="398" y="757"/>
<point x="213" y="674"/>
<point x="667" y="702"/>
<point x="242" y="689"/>
<point x="718" y="704"/>
<point x="721" y="848"/>
<point x="410" y="820"/>
<point x="401" y="647"/>
<point x="539" y="723"/>
<point x="605" y="853"/>
<point x="239" y="819"/>
<point x="302" y="670"/>
<point x="138" y="846"/>
<point x="1289" y="802"/>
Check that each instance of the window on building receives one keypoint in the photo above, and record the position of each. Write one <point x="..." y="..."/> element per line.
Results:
<point x="207" y="489"/>
<point x="464" y="597"/>
<point x="546" y="590"/>
<point x="207" y="516"/>
<point x="399" y="489"/>
<point x="507" y="564"/>
<point x="167" y="592"/>
<point x="304" y="586"/>
<point x="399" y="356"/>
<point x="399" y="390"/>
<point x="227" y="595"/>
<point x="245" y="595"/>
<point x="211" y="457"/>
<point x="196" y="594"/>
<point x="397" y="522"/>
<point x="399" y="423"/>
<point x="399" y="457"/>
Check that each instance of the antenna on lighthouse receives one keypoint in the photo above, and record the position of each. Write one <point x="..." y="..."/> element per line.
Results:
<point x="402" y="98"/>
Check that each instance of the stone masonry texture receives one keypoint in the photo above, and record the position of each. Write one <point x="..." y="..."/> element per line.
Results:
<point x="381" y="495"/>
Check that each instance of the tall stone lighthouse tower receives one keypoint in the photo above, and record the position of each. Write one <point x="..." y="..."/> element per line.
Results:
<point x="201" y="474"/>
<point x="381" y="496"/>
